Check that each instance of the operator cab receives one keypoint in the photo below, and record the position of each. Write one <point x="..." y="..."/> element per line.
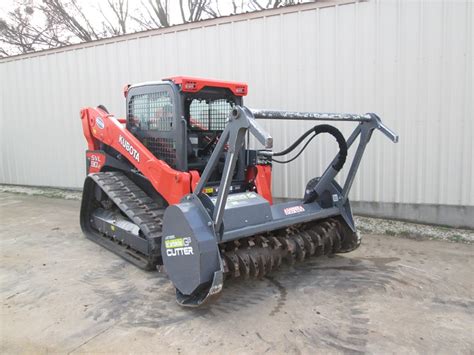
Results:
<point x="180" y="120"/>
<point x="206" y="114"/>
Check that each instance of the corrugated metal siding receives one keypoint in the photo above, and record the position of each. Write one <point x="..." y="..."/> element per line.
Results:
<point x="409" y="61"/>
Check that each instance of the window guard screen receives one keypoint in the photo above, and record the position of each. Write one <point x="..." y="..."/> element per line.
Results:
<point x="209" y="115"/>
<point x="153" y="111"/>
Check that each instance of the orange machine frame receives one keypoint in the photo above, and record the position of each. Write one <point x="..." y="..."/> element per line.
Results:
<point x="173" y="185"/>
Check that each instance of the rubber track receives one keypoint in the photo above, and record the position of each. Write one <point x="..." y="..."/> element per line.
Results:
<point x="255" y="257"/>
<point x="135" y="204"/>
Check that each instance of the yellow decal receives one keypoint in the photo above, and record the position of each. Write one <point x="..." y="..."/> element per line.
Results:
<point x="174" y="243"/>
<point x="208" y="190"/>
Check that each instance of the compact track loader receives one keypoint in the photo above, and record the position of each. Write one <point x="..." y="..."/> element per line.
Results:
<point x="175" y="184"/>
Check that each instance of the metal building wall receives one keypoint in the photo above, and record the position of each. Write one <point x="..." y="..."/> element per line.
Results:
<point x="409" y="61"/>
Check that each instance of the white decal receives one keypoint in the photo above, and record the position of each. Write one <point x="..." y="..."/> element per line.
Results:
<point x="293" y="210"/>
<point x="95" y="161"/>
<point x="99" y="122"/>
<point x="128" y="147"/>
<point x="179" y="251"/>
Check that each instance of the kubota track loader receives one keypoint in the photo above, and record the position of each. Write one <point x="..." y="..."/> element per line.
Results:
<point x="176" y="184"/>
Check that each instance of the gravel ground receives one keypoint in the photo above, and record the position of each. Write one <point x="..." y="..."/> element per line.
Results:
<point x="67" y="194"/>
<point x="365" y="225"/>
<point x="368" y="225"/>
<point x="62" y="294"/>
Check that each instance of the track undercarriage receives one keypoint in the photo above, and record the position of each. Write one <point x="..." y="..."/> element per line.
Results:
<point x="118" y="215"/>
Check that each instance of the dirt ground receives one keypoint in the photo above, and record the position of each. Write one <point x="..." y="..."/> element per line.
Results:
<point x="62" y="293"/>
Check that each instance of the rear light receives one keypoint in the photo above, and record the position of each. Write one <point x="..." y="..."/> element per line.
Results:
<point x="190" y="85"/>
<point x="241" y="90"/>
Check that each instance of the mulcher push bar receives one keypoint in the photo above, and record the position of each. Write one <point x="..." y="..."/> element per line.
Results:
<point x="321" y="116"/>
<point x="368" y="122"/>
<point x="298" y="115"/>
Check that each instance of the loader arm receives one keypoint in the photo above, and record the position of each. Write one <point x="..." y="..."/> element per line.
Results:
<point x="101" y="127"/>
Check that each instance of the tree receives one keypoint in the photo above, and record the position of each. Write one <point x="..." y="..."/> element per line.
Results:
<point x="238" y="6"/>
<point x="155" y="16"/>
<point x="39" y="24"/>
<point x="69" y="16"/>
<point x="192" y="10"/>
<point x="258" y="5"/>
<point x="120" y="10"/>
<point x="18" y="32"/>
<point x="57" y="23"/>
<point x="155" y="13"/>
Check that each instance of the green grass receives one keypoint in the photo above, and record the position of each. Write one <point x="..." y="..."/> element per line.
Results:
<point x="364" y="230"/>
<point x="456" y="238"/>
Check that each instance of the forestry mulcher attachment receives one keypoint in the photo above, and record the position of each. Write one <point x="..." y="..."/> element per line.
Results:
<point x="176" y="184"/>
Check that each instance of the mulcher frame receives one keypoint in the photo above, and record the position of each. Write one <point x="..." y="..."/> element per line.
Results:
<point x="242" y="120"/>
<point x="198" y="276"/>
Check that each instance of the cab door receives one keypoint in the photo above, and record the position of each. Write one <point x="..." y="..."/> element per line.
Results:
<point x="152" y="118"/>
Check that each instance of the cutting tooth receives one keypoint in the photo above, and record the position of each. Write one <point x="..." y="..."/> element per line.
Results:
<point x="255" y="263"/>
<point x="263" y="263"/>
<point x="300" y="249"/>
<point x="262" y="241"/>
<point x="348" y="238"/>
<point x="327" y="238"/>
<point x="337" y="236"/>
<point x="290" y="246"/>
<point x="316" y="234"/>
<point x="244" y="263"/>
<point x="276" y="252"/>
<point x="308" y="243"/>
<point x="275" y="242"/>
<point x="232" y="263"/>
<point x="266" y="254"/>
<point x="225" y="265"/>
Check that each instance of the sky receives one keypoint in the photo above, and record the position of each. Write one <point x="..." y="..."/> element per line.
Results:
<point x="90" y="7"/>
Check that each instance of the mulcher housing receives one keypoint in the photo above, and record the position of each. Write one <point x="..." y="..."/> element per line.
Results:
<point x="176" y="184"/>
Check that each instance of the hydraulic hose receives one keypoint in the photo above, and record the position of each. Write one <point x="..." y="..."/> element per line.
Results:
<point x="323" y="128"/>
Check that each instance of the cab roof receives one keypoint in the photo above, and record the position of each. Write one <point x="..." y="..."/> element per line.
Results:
<point x="193" y="84"/>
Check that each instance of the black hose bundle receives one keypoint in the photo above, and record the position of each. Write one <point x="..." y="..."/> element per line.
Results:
<point x="323" y="128"/>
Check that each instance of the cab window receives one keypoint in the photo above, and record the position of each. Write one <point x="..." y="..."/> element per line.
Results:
<point x="209" y="115"/>
<point x="152" y="111"/>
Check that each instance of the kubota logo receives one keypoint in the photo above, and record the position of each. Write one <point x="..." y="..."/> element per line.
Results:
<point x="128" y="147"/>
